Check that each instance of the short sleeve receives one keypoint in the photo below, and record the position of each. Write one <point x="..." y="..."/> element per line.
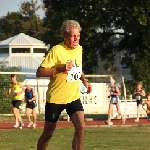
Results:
<point x="50" y="59"/>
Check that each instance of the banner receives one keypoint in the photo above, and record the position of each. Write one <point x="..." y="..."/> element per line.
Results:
<point x="129" y="109"/>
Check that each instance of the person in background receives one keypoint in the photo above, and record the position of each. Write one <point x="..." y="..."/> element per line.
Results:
<point x="63" y="64"/>
<point x="30" y="98"/>
<point x="147" y="103"/>
<point x="16" y="89"/>
<point x="138" y="93"/>
<point x="114" y="100"/>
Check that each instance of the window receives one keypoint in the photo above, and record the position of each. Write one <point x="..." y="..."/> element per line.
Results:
<point x="123" y="64"/>
<point x="20" y="50"/>
<point x="4" y="50"/>
<point x="39" y="50"/>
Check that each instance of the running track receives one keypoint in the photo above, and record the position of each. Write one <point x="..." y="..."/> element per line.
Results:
<point x="95" y="123"/>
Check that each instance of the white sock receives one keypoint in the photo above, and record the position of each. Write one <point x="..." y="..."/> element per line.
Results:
<point x="109" y="120"/>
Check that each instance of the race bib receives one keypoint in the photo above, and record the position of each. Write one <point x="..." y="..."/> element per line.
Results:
<point x="138" y="97"/>
<point x="114" y="100"/>
<point x="74" y="74"/>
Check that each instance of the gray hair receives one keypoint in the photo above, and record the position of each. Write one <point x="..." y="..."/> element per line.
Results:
<point x="70" y="24"/>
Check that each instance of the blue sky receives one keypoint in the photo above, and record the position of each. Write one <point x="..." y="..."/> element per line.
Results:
<point x="13" y="6"/>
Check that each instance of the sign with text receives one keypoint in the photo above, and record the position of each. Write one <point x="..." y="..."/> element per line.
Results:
<point x="129" y="109"/>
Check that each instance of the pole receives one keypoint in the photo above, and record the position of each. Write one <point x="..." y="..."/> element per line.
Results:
<point x="37" y="79"/>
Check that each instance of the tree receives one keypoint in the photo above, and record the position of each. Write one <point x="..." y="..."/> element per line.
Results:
<point x="58" y="11"/>
<point x="106" y="15"/>
<point x="134" y="19"/>
<point x="10" y="25"/>
<point x="26" y="21"/>
<point x="33" y="23"/>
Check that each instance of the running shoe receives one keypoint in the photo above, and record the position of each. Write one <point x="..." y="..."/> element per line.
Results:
<point x="106" y="121"/>
<point x="34" y="125"/>
<point x="21" y="125"/>
<point x="30" y="124"/>
<point x="16" y="125"/>
<point x="109" y="122"/>
<point x="136" y="120"/>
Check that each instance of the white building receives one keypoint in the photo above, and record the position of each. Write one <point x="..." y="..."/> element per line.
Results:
<point x="23" y="50"/>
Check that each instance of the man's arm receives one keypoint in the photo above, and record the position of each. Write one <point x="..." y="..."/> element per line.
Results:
<point x="21" y="86"/>
<point x="86" y="83"/>
<point x="34" y="96"/>
<point x="82" y="78"/>
<point x="8" y="90"/>
<point x="47" y="72"/>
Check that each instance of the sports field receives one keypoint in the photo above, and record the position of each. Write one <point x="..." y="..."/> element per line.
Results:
<point x="96" y="138"/>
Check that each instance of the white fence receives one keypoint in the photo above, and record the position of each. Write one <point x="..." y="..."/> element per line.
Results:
<point x="95" y="103"/>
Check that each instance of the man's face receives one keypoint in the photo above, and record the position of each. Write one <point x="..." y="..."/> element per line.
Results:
<point x="13" y="79"/>
<point x="27" y="87"/>
<point x="72" y="38"/>
<point x="112" y="83"/>
<point x="139" y="86"/>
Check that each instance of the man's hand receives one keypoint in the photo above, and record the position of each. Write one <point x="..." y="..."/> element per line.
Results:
<point x="43" y="72"/>
<point x="30" y="100"/>
<point x="88" y="86"/>
<point x="69" y="66"/>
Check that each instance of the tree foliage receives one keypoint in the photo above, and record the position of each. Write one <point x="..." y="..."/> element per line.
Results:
<point x="58" y="11"/>
<point x="5" y="80"/>
<point x="25" y="21"/>
<point x="107" y="15"/>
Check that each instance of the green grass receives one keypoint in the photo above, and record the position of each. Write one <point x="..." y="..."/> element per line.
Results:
<point x="96" y="138"/>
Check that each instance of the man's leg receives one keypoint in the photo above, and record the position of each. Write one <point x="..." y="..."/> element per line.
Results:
<point x="110" y="109"/>
<point x="138" y="112"/>
<point x="46" y="135"/>
<point x="120" y="113"/>
<point x="14" y="110"/>
<point x="79" y="124"/>
<point x="28" y="115"/>
<point x="34" y="117"/>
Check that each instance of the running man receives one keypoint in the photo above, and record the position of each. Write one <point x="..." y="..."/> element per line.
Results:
<point x="138" y="93"/>
<point x="114" y="100"/>
<point x="16" y="89"/>
<point x="30" y="98"/>
<point x="63" y="64"/>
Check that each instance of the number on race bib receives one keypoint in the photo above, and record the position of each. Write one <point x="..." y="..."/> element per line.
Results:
<point x="74" y="74"/>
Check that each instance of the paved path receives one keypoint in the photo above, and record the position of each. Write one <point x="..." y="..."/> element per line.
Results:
<point x="95" y="123"/>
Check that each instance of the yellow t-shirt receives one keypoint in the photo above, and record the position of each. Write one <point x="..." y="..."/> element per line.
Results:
<point x="16" y="88"/>
<point x="65" y="86"/>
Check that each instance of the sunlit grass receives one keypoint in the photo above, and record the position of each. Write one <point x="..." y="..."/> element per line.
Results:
<point x="96" y="138"/>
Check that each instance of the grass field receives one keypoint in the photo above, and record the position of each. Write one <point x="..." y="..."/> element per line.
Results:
<point x="96" y="138"/>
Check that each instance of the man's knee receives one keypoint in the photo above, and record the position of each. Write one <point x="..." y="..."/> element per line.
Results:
<point x="49" y="129"/>
<point x="80" y="127"/>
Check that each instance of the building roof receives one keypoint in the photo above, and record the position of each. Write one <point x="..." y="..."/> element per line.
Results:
<point x="21" y="40"/>
<point x="27" y="63"/>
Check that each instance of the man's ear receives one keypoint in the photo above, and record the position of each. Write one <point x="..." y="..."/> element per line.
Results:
<point x="64" y="35"/>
